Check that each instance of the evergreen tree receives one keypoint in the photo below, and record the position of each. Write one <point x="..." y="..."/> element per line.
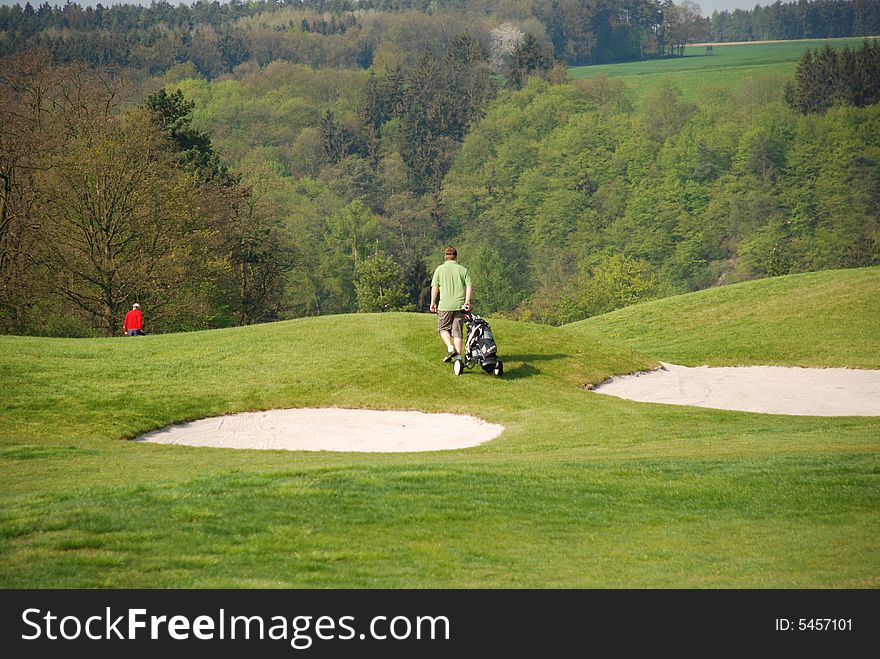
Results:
<point x="335" y="139"/>
<point x="439" y="101"/>
<point x="382" y="102"/>
<point x="173" y="114"/>
<point x="867" y="68"/>
<point x="527" y="59"/>
<point x="827" y="78"/>
<point x="847" y="89"/>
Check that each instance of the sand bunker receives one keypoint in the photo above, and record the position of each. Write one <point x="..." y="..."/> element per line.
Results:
<point x="766" y="389"/>
<point x="331" y="429"/>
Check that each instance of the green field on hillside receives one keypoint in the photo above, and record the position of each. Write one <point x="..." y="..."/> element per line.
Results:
<point x="728" y="66"/>
<point x="581" y="490"/>
<point x="827" y="319"/>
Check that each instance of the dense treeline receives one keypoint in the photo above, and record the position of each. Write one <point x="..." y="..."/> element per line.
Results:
<point x="207" y="34"/>
<point x="338" y="184"/>
<point x="803" y="19"/>
<point x="353" y="162"/>
<point x="566" y="200"/>
<point x="827" y="77"/>
<point x="577" y="199"/>
<point x="330" y="205"/>
<point x="216" y="37"/>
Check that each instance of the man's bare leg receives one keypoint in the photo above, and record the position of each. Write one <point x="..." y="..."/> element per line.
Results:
<point x="453" y="346"/>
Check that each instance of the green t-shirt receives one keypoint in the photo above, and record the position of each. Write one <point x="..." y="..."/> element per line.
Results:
<point x="452" y="279"/>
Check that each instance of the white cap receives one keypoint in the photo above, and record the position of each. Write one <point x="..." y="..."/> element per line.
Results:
<point x="135" y="306"/>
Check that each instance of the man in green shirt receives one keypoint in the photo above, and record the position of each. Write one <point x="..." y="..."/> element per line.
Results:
<point x="452" y="282"/>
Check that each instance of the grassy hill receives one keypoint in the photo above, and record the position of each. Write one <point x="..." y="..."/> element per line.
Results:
<point x="581" y="490"/>
<point x="826" y="319"/>
<point x="727" y="67"/>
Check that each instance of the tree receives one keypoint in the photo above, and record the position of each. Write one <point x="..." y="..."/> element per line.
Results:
<point x="260" y="254"/>
<point x="665" y="112"/>
<point x="683" y="24"/>
<point x="348" y="237"/>
<point x="827" y="77"/>
<point x="496" y="277"/>
<point x="809" y="95"/>
<point x="503" y="40"/>
<point x="378" y="285"/>
<point x="765" y="153"/>
<point x="616" y="281"/>
<point x="406" y="230"/>
<point x="352" y="178"/>
<point x="337" y="141"/>
<point x="173" y="115"/>
<point x="706" y="166"/>
<point x="381" y="103"/>
<point x="570" y="26"/>
<point x="867" y="64"/>
<point x="847" y="88"/>
<point x="120" y="214"/>
<point x="440" y="100"/>
<point x="527" y="58"/>
<point x="26" y="84"/>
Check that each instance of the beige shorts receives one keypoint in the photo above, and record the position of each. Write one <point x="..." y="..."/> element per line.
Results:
<point x="450" y="321"/>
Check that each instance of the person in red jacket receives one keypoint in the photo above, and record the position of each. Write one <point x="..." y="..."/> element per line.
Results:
<point x="134" y="321"/>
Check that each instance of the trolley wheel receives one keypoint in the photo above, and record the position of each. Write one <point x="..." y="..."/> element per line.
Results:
<point x="458" y="366"/>
<point x="499" y="368"/>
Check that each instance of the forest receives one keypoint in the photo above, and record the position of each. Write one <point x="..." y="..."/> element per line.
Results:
<point x="803" y="19"/>
<point x="225" y="192"/>
<point x="216" y="37"/>
<point x="581" y="199"/>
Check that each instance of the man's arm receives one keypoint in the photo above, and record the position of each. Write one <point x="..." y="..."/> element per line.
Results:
<point x="467" y="296"/>
<point x="435" y="291"/>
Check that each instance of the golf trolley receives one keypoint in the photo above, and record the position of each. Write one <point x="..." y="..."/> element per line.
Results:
<point x="479" y="348"/>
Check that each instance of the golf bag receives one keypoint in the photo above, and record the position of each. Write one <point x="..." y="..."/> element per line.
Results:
<point x="480" y="347"/>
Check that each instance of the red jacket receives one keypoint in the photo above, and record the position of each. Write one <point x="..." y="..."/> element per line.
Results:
<point x="134" y="319"/>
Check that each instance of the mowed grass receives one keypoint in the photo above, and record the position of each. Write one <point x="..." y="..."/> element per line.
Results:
<point x="581" y="490"/>
<point x="729" y="67"/>
<point x="826" y="319"/>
